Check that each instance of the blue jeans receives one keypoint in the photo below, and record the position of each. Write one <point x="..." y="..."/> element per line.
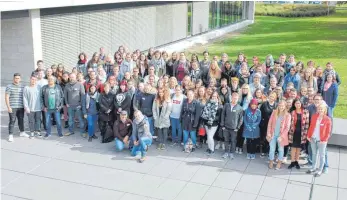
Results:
<point x="309" y="159"/>
<point x="72" y="111"/>
<point x="57" y="119"/>
<point x="318" y="147"/>
<point x="330" y="112"/>
<point x="119" y="144"/>
<point x="151" y="125"/>
<point x="92" y="121"/>
<point x="141" y="147"/>
<point x="280" y="149"/>
<point x="186" y="136"/>
<point x="176" y="130"/>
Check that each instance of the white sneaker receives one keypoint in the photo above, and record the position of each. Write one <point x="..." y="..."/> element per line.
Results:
<point x="10" y="138"/>
<point x="32" y="135"/>
<point x="223" y="146"/>
<point x="23" y="134"/>
<point x="217" y="146"/>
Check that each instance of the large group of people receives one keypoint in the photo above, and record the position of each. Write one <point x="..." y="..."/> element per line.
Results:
<point x="278" y="107"/>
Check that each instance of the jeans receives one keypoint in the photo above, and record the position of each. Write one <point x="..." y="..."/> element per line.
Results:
<point x="92" y="120"/>
<point x="176" y="130"/>
<point x="162" y="135"/>
<point x="210" y="134"/>
<point x="141" y="147"/>
<point x="72" y="111"/>
<point x="151" y="125"/>
<point x="186" y="136"/>
<point x="34" y="119"/>
<point x="309" y="157"/>
<point x="252" y="145"/>
<point x="49" y="122"/>
<point x="330" y="112"/>
<point x="317" y="146"/>
<point x="119" y="144"/>
<point x="229" y="136"/>
<point x="280" y="149"/>
<point x="17" y="113"/>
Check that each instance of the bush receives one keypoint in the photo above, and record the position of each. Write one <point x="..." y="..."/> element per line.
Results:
<point x="293" y="10"/>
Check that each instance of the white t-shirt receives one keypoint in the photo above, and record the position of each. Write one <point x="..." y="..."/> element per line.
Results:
<point x="177" y="104"/>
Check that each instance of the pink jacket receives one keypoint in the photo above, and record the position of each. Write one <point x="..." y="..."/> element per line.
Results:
<point x="285" y="126"/>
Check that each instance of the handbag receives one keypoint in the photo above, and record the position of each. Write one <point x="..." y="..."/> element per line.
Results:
<point x="202" y="131"/>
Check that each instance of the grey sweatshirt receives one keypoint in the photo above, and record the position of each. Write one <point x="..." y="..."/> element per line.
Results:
<point x="31" y="98"/>
<point x="74" y="94"/>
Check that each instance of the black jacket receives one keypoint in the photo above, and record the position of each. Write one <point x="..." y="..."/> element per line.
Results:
<point x="146" y="104"/>
<point x="106" y="103"/>
<point x="232" y="119"/>
<point x="122" y="100"/>
<point x="189" y="115"/>
<point x="169" y="67"/>
<point x="266" y="111"/>
<point x="228" y="74"/>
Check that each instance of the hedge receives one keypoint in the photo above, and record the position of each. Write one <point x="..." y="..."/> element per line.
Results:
<point x="293" y="10"/>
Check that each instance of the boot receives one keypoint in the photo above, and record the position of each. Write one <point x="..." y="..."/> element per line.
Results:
<point x="95" y="137"/>
<point x="297" y="166"/>
<point x="271" y="164"/>
<point x="278" y="166"/>
<point x="66" y="124"/>
<point x="292" y="164"/>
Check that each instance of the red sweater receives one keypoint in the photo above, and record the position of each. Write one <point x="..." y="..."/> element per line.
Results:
<point x="325" y="127"/>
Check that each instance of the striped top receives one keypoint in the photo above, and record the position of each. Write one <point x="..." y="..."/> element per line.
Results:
<point x="16" y="95"/>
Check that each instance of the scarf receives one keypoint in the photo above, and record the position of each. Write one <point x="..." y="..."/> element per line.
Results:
<point x="82" y="61"/>
<point x="94" y="96"/>
<point x="253" y="101"/>
<point x="210" y="112"/>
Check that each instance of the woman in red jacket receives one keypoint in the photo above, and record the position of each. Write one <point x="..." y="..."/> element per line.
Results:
<point x="318" y="135"/>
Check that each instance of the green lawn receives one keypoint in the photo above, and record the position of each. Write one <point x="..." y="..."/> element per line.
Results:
<point x="321" y="39"/>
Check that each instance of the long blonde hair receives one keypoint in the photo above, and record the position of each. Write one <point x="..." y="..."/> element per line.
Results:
<point x="277" y="112"/>
<point x="216" y="73"/>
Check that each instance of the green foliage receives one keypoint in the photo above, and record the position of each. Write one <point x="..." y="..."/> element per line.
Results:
<point x="293" y="10"/>
<point x="320" y="39"/>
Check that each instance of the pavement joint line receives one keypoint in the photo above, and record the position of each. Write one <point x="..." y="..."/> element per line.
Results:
<point x="78" y="183"/>
<point x="16" y="196"/>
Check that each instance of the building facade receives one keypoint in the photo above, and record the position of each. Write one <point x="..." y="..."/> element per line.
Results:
<point x="58" y="34"/>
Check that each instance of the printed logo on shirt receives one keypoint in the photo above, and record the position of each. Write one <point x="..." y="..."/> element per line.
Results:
<point x="176" y="101"/>
<point x="120" y="98"/>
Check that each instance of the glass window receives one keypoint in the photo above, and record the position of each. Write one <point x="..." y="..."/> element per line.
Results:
<point x="223" y="13"/>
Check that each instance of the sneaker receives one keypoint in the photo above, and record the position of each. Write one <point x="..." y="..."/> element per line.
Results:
<point x="217" y="146"/>
<point x="231" y="156"/>
<point x="38" y="134"/>
<point x="262" y="155"/>
<point x="310" y="171"/>
<point x="284" y="160"/>
<point x="193" y="149"/>
<point x="252" y="156"/>
<point x="32" y="135"/>
<point x="223" y="146"/>
<point x="159" y="146"/>
<point x="182" y="144"/>
<point x="84" y="135"/>
<point x="66" y="124"/>
<point x="318" y="174"/>
<point x="95" y="137"/>
<point x="174" y="144"/>
<point x="10" y="138"/>
<point x="198" y="145"/>
<point x="61" y="136"/>
<point x="68" y="134"/>
<point x="46" y="136"/>
<point x="237" y="150"/>
<point x="225" y="155"/>
<point x="163" y="147"/>
<point x="240" y="150"/>
<point x="142" y="159"/>
<point x="248" y="156"/>
<point x="23" y="134"/>
<point x="90" y="139"/>
<point x="325" y="170"/>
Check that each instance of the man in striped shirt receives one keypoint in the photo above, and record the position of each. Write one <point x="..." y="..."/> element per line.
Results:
<point x="14" y="103"/>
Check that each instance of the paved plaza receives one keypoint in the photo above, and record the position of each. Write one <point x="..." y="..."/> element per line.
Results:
<point x="73" y="168"/>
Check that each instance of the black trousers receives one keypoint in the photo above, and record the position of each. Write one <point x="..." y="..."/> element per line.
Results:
<point x="17" y="113"/>
<point x="240" y="140"/>
<point x="252" y="145"/>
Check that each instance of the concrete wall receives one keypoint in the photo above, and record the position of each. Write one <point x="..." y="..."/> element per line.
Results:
<point x="200" y="17"/>
<point x="17" y="53"/>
